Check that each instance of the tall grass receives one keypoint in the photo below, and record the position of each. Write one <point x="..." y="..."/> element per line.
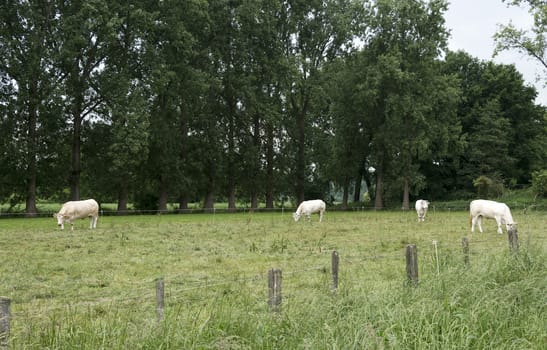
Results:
<point x="95" y="289"/>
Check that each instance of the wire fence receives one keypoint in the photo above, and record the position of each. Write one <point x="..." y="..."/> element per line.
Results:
<point x="182" y="288"/>
<point x="179" y="285"/>
<point x="18" y="212"/>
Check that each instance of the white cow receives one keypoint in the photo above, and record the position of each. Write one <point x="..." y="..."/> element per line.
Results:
<point x="307" y="208"/>
<point x="78" y="210"/>
<point x="421" y="209"/>
<point x="490" y="209"/>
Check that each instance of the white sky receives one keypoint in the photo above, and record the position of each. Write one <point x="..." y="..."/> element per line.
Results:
<point x="472" y="24"/>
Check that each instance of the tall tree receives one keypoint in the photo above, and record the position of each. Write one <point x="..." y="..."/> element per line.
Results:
<point x="173" y="54"/>
<point x="350" y="140"/>
<point x="317" y="32"/>
<point x="86" y="28"/>
<point x="500" y="121"/>
<point x="401" y="49"/>
<point x="125" y="93"/>
<point x="27" y="30"/>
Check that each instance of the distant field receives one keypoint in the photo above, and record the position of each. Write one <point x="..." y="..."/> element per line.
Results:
<point x="96" y="289"/>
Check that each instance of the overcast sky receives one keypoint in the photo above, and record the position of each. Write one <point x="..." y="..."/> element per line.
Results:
<point x="473" y="23"/>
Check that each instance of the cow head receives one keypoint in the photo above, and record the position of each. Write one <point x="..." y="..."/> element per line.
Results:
<point x="296" y="216"/>
<point x="60" y="219"/>
<point x="511" y="226"/>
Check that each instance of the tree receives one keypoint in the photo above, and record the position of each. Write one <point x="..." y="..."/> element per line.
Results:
<point x="175" y="51"/>
<point x="121" y="144"/>
<point x="532" y="43"/>
<point x="317" y="32"/>
<point x="259" y="24"/>
<point x="27" y="32"/>
<point x="349" y="146"/>
<point x="503" y="128"/>
<point x="401" y="77"/>
<point x="85" y="30"/>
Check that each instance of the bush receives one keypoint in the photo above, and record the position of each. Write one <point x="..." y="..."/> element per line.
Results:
<point x="487" y="187"/>
<point x="539" y="183"/>
<point x="146" y="201"/>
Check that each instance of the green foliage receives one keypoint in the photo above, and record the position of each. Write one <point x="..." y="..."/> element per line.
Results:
<point x="487" y="187"/>
<point x="539" y="183"/>
<point x="530" y="42"/>
<point x="249" y="101"/>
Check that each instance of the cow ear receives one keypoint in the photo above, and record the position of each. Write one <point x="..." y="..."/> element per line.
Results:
<point x="55" y="215"/>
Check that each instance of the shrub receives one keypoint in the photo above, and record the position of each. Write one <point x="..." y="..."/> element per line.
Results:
<point x="539" y="183"/>
<point x="487" y="187"/>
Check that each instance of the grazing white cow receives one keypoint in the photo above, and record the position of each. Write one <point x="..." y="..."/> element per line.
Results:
<point x="78" y="210"/>
<point x="421" y="209"/>
<point x="490" y="209"/>
<point x="307" y="208"/>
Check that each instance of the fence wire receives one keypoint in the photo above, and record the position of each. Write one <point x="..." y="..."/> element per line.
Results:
<point x="176" y="287"/>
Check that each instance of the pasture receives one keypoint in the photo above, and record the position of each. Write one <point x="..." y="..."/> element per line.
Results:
<point x="95" y="289"/>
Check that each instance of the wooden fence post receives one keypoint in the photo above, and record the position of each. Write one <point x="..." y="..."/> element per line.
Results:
<point x="160" y="298"/>
<point x="5" y="320"/>
<point x="465" y="247"/>
<point x="513" y="237"/>
<point x="274" y="289"/>
<point x="412" y="264"/>
<point x="436" y="256"/>
<point x="335" y="261"/>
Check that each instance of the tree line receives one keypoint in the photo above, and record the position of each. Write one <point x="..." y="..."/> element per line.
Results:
<point x="157" y="102"/>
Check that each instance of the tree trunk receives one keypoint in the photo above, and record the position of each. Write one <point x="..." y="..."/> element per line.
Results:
<point x="163" y="195"/>
<point x="183" y="203"/>
<point x="406" y="195"/>
<point x="209" y="202"/>
<point x="378" y="201"/>
<point x="357" y="191"/>
<point x="301" y="157"/>
<point x="76" y="144"/>
<point x="255" y="161"/>
<point x="183" y="198"/>
<point x="269" y="166"/>
<point x="232" y="198"/>
<point x="30" y="208"/>
<point x="346" y="194"/>
<point x="254" y="200"/>
<point x="122" y="198"/>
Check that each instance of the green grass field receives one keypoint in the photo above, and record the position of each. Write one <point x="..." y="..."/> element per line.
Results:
<point x="97" y="289"/>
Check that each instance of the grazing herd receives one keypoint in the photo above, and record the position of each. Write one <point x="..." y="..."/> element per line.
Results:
<point x="478" y="209"/>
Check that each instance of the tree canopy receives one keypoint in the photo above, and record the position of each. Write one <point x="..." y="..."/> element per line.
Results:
<point x="255" y="102"/>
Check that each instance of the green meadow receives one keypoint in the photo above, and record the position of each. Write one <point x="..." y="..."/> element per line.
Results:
<point x="96" y="289"/>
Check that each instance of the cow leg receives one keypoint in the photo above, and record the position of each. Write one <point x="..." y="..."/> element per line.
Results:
<point x="473" y="223"/>
<point x="498" y="221"/>
<point x="93" y="222"/>
<point x="479" y="222"/>
<point x="320" y="216"/>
